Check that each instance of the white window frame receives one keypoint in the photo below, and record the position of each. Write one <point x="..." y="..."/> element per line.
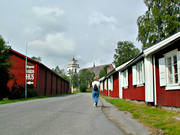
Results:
<point x="101" y="86"/>
<point x="121" y="80"/>
<point x="111" y="83"/>
<point x="134" y="72"/>
<point x="138" y="76"/>
<point x="172" y="86"/>
<point x="105" y="84"/>
<point x="162" y="72"/>
<point x="112" y="88"/>
<point x="125" y="79"/>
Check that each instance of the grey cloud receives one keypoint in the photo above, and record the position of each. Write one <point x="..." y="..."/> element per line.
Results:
<point x="54" y="44"/>
<point x="44" y="20"/>
<point x="98" y="18"/>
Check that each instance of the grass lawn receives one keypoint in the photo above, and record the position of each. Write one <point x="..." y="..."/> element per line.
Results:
<point x="153" y="117"/>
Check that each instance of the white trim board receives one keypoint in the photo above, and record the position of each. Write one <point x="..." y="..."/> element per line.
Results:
<point x="161" y="44"/>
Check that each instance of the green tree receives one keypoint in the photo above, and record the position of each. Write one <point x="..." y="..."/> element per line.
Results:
<point x="85" y="79"/>
<point x="58" y="70"/>
<point x="36" y="58"/>
<point x="61" y="72"/>
<point x="125" y="51"/>
<point x="4" y="68"/>
<point x="161" y="20"/>
<point x="103" y="72"/>
<point x="75" y="80"/>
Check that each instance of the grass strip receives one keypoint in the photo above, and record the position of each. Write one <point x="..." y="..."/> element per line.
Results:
<point x="153" y="117"/>
<point x="6" y="101"/>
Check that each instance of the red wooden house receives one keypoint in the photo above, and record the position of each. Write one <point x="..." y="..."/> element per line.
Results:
<point x="41" y="77"/>
<point x="103" y="86"/>
<point x="132" y="79"/>
<point x="163" y="71"/>
<point x="113" y="83"/>
<point x="110" y="84"/>
<point x="153" y="76"/>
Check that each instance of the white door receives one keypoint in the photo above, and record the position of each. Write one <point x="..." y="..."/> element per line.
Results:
<point x="148" y="79"/>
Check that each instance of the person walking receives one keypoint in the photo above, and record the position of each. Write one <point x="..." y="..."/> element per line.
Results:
<point x="95" y="91"/>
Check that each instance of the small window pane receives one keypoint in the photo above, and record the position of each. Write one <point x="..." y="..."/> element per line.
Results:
<point x="175" y="69"/>
<point x="176" y="78"/>
<point x="139" y="73"/>
<point x="170" y="73"/>
<point x="124" y="79"/>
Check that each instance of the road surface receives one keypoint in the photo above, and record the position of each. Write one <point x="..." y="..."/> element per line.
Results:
<point x="69" y="115"/>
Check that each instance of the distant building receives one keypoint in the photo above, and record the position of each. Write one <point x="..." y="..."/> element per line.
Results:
<point x="73" y="66"/>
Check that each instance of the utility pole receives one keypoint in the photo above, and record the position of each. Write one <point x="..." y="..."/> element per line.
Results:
<point x="26" y="73"/>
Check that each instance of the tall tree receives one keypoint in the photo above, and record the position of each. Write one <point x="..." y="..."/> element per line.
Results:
<point x="161" y="20"/>
<point x="75" y="80"/>
<point x="61" y="72"/>
<point x="125" y="51"/>
<point x="4" y="68"/>
<point x="85" y="79"/>
<point x="58" y="70"/>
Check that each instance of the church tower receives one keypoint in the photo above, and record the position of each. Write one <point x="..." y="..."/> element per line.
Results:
<point x="73" y="66"/>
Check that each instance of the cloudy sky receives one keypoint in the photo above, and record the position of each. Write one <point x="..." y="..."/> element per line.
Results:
<point x="57" y="30"/>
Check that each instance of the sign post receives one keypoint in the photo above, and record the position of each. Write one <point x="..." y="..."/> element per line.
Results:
<point x="26" y="74"/>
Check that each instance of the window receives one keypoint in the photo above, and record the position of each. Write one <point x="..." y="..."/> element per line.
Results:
<point x="110" y="83"/>
<point x="172" y="69"/>
<point x="138" y="74"/>
<point x="105" y="84"/>
<point x="125" y="79"/>
<point x="101" y="86"/>
<point x="169" y="70"/>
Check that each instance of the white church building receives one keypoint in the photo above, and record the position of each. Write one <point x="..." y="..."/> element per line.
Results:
<point x="73" y="66"/>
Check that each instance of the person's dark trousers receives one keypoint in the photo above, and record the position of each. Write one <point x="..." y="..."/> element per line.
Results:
<point x="95" y="96"/>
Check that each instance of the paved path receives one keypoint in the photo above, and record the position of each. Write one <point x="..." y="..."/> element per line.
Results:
<point x="69" y="115"/>
<point x="124" y="120"/>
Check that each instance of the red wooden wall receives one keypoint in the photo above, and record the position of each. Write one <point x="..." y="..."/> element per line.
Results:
<point x="166" y="97"/>
<point x="115" y="92"/>
<point x="46" y="82"/>
<point x="105" y="92"/>
<point x="133" y="92"/>
<point x="41" y="82"/>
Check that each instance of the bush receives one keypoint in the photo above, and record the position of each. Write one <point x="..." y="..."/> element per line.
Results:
<point x="83" y="87"/>
<point x="18" y="92"/>
<point x="32" y="92"/>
